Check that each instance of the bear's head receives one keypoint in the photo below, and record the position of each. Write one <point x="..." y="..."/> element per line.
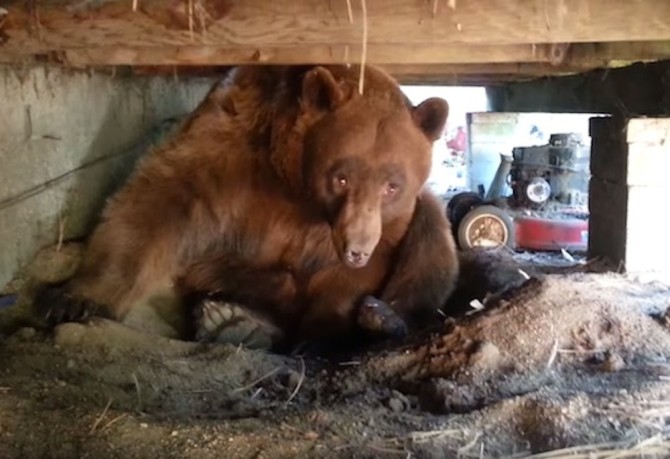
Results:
<point x="364" y="157"/>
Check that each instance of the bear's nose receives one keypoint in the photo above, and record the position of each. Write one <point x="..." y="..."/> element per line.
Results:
<point x="357" y="258"/>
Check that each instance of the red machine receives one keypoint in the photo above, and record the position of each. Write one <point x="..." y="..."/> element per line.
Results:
<point x="548" y="207"/>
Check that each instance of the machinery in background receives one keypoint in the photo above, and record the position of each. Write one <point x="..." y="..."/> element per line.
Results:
<point x="548" y="205"/>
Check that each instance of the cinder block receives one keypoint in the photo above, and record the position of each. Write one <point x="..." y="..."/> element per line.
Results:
<point x="608" y="198"/>
<point x="608" y="158"/>
<point x="606" y="127"/>
<point x="627" y="225"/>
<point x="649" y="130"/>
<point x="627" y="153"/>
<point x="630" y="161"/>
<point x="607" y="221"/>
<point x="648" y="164"/>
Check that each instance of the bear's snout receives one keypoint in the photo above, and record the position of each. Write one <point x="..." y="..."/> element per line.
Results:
<point x="356" y="258"/>
<point x="357" y="232"/>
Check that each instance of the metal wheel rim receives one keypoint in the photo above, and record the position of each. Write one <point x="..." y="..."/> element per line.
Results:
<point x="476" y="225"/>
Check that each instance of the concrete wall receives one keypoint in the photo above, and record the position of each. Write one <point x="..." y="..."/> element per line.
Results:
<point x="629" y="187"/>
<point x="67" y="139"/>
<point x="635" y="90"/>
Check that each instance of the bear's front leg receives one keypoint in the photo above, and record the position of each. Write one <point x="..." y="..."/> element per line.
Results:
<point x="426" y="270"/>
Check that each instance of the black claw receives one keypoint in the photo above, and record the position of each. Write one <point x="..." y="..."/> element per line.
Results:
<point x="376" y="316"/>
<point x="61" y="307"/>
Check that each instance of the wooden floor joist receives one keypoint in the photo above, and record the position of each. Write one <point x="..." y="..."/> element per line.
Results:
<point x="554" y="35"/>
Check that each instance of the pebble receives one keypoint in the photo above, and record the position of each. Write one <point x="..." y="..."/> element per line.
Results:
<point x="400" y="396"/>
<point x="396" y="405"/>
<point x="26" y="333"/>
<point x="293" y="379"/>
<point x="487" y="356"/>
<point x="144" y="425"/>
<point x="613" y="363"/>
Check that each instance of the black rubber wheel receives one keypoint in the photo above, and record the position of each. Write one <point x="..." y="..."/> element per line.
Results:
<point x="486" y="227"/>
<point x="459" y="206"/>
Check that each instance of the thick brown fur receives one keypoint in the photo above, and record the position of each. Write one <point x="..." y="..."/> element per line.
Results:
<point x="288" y="192"/>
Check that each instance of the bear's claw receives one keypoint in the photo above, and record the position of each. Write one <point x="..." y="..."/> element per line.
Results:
<point x="58" y="306"/>
<point x="376" y="316"/>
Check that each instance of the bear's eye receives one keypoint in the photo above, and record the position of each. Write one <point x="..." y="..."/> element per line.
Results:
<point x="391" y="189"/>
<point x="340" y="181"/>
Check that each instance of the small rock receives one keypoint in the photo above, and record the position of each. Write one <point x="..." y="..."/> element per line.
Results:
<point x="441" y="396"/>
<point x="400" y="396"/>
<point x="311" y="435"/>
<point x="486" y="356"/>
<point x="396" y="405"/>
<point x="26" y="333"/>
<point x="292" y="379"/>
<point x="144" y="425"/>
<point x="71" y="365"/>
<point x="174" y="433"/>
<point x="51" y="266"/>
<point x="613" y="363"/>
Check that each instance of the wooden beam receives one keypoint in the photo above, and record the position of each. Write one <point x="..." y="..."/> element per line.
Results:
<point x="521" y="69"/>
<point x="235" y="31"/>
<point x="463" y="79"/>
<point x="581" y="56"/>
<point x="322" y="54"/>
<point x="464" y="76"/>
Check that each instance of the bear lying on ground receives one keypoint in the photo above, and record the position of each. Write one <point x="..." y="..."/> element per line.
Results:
<point x="288" y="192"/>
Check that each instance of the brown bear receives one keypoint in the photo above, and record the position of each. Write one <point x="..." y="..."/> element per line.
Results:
<point x="287" y="192"/>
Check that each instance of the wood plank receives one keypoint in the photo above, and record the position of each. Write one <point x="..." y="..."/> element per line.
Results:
<point x="476" y="73"/>
<point x="491" y="79"/>
<point x="521" y="69"/>
<point x="62" y="25"/>
<point x="323" y="54"/>
<point x="581" y="56"/>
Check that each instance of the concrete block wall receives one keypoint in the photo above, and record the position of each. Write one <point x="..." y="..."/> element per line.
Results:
<point x="67" y="140"/>
<point x="630" y="160"/>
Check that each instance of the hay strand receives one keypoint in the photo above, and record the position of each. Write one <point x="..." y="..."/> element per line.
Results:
<point x="138" y="392"/>
<point x="299" y="384"/>
<point x="364" y="49"/>
<point x="350" y="13"/>
<point x="190" y="18"/>
<point x="61" y="233"/>
<point x="113" y="421"/>
<point x="256" y="381"/>
<point x="101" y="417"/>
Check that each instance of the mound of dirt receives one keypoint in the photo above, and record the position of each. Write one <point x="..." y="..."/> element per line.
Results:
<point x="553" y="361"/>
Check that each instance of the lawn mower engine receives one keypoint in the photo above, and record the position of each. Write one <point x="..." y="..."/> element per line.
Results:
<point x="548" y="207"/>
<point x="549" y="202"/>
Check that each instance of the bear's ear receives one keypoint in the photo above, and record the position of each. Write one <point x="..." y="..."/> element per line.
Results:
<point x="431" y="117"/>
<point x="320" y="90"/>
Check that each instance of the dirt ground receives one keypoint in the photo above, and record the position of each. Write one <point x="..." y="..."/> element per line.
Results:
<point x="550" y="362"/>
